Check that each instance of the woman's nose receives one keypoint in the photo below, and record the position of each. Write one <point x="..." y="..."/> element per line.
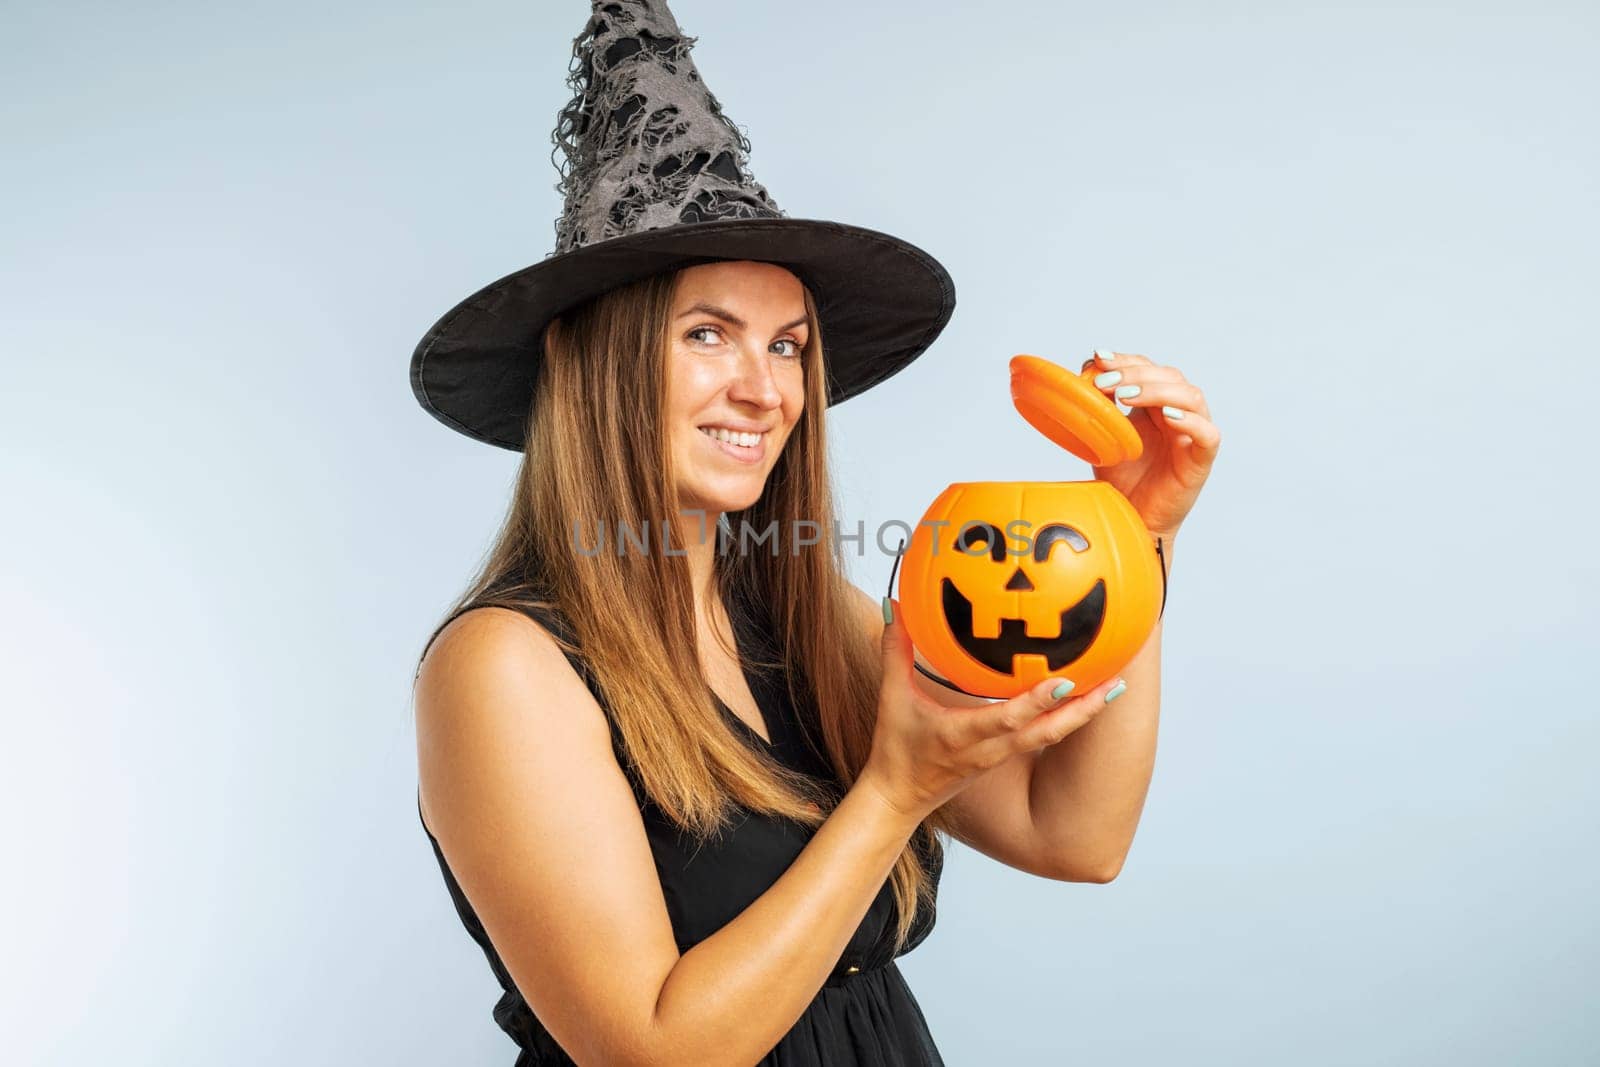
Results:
<point x="755" y="382"/>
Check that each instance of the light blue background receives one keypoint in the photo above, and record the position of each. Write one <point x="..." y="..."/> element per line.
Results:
<point x="1368" y="232"/>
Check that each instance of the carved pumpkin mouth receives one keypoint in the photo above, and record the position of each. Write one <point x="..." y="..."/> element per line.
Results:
<point x="1080" y="623"/>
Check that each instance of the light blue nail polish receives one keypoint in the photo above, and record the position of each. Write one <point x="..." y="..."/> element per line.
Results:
<point x="888" y="611"/>
<point x="1103" y="355"/>
<point x="1115" y="691"/>
<point x="1171" y="412"/>
<point x="1128" y="390"/>
<point x="1110" y="377"/>
<point x="1061" y="690"/>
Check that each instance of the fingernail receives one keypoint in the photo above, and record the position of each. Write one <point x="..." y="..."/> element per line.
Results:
<point x="888" y="612"/>
<point x="1171" y="412"/>
<point x="1061" y="690"/>
<point x="1117" y="690"/>
<point x="1104" y="355"/>
<point x="1110" y="377"/>
<point x="1128" y="390"/>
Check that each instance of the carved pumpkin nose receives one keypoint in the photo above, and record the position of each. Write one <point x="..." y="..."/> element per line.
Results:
<point x="1019" y="583"/>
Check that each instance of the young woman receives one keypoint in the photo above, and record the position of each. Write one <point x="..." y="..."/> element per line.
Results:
<point x="683" y="780"/>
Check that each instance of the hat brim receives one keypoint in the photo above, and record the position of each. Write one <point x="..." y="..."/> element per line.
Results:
<point x="882" y="302"/>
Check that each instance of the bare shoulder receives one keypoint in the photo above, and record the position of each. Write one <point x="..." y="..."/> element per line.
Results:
<point x="541" y="829"/>
<point x="497" y="673"/>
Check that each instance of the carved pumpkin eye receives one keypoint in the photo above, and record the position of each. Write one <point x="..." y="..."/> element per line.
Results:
<point x="987" y="534"/>
<point x="1051" y="534"/>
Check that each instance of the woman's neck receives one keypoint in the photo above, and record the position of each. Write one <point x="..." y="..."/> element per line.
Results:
<point x="697" y="539"/>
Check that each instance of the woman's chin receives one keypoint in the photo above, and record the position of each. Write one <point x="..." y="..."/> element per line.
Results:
<point x="725" y="495"/>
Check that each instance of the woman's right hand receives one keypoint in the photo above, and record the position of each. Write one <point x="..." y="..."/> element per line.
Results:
<point x="925" y="752"/>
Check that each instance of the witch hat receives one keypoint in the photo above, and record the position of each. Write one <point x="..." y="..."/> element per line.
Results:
<point x="656" y="178"/>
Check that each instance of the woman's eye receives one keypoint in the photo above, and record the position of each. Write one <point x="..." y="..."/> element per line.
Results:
<point x="694" y="335"/>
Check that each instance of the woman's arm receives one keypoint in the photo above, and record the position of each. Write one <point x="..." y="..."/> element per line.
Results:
<point x="541" y="829"/>
<point x="1088" y="790"/>
<point x="735" y="994"/>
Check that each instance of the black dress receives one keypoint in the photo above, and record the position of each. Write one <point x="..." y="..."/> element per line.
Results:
<point x="865" y="1013"/>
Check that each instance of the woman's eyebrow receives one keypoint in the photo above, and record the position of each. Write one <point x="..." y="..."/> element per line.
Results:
<point x="734" y="320"/>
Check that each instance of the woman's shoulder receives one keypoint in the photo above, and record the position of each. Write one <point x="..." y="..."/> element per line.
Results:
<point x="495" y="680"/>
<point x="542" y="615"/>
<point x="497" y="637"/>
<point x="509" y="605"/>
<point x="507" y="622"/>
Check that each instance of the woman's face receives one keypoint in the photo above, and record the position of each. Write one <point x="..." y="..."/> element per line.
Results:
<point x="735" y="382"/>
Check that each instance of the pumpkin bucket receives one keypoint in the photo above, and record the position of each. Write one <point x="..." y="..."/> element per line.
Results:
<point x="1005" y="583"/>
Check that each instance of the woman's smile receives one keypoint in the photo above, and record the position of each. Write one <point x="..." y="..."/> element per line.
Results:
<point x="743" y="447"/>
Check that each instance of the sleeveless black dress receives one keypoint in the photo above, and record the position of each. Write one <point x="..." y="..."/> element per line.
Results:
<point x="865" y="1013"/>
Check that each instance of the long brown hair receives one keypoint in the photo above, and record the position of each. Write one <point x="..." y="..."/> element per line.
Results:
<point x="597" y="457"/>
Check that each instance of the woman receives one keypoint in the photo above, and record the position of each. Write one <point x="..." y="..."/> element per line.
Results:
<point x="686" y="793"/>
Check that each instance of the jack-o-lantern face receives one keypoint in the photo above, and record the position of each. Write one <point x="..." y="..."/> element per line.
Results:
<point x="1006" y="582"/>
<point x="982" y="541"/>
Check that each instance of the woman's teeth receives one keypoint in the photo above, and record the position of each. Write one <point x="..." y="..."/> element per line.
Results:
<point x="746" y="440"/>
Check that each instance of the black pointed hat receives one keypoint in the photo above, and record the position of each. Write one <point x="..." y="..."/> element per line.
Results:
<point x="656" y="178"/>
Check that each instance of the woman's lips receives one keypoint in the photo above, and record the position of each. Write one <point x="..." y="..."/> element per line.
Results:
<point x="752" y="455"/>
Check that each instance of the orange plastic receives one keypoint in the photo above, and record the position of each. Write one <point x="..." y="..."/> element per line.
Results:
<point x="1071" y="410"/>
<point x="1004" y="583"/>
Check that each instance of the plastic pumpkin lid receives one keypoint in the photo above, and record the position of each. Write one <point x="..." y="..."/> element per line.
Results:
<point x="1070" y="410"/>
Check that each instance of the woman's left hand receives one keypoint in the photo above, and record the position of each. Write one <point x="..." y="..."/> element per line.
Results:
<point x="1163" y="483"/>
